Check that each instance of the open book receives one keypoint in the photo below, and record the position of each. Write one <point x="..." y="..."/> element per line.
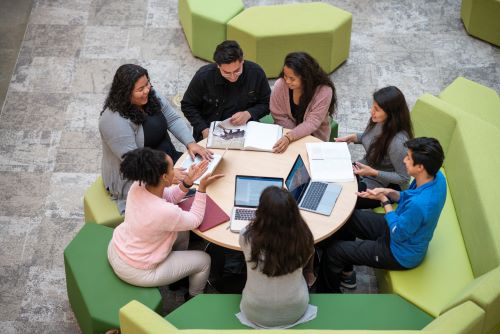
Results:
<point x="211" y="166"/>
<point x="330" y="162"/>
<point x="253" y="136"/>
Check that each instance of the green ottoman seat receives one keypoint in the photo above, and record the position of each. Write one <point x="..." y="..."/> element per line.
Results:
<point x="335" y="311"/>
<point x="98" y="206"/>
<point x="95" y="293"/>
<point x="204" y="23"/>
<point x="482" y="19"/>
<point x="268" y="33"/>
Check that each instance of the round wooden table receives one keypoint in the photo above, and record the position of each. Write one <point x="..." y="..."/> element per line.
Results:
<point x="236" y="162"/>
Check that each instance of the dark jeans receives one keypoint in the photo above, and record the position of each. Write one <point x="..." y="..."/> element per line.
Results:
<point x="367" y="203"/>
<point x="344" y="250"/>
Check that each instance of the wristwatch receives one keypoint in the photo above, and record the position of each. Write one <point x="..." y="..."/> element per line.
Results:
<point x="187" y="186"/>
<point x="384" y="203"/>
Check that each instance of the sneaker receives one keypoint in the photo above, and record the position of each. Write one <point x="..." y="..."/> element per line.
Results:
<point x="348" y="282"/>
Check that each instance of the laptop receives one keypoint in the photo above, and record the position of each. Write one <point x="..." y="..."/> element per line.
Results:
<point x="317" y="197"/>
<point x="246" y="198"/>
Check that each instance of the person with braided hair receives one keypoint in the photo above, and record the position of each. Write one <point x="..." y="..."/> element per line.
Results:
<point x="134" y="116"/>
<point x="150" y="247"/>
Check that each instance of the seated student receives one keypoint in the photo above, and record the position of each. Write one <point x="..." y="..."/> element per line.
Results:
<point x="150" y="247"/>
<point x="134" y="116"/>
<point x="276" y="245"/>
<point x="398" y="239"/>
<point x="383" y="139"/>
<point x="230" y="88"/>
<point x="303" y="99"/>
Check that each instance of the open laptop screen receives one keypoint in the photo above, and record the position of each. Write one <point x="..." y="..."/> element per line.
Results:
<point x="298" y="179"/>
<point x="249" y="188"/>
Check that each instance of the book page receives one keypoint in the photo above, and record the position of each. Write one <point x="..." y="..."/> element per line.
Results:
<point x="262" y="136"/>
<point x="222" y="134"/>
<point x="330" y="162"/>
<point x="211" y="166"/>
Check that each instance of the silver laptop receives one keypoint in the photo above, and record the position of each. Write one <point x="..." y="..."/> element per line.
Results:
<point x="318" y="197"/>
<point x="246" y="198"/>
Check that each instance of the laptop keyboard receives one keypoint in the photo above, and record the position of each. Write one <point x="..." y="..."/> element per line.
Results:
<point x="313" y="196"/>
<point x="244" y="214"/>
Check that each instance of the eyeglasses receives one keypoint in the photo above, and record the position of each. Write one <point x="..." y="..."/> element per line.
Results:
<point x="236" y="73"/>
<point x="140" y="90"/>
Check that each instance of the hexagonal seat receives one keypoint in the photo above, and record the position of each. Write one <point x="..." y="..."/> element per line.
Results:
<point x="204" y="23"/>
<point x="95" y="293"/>
<point x="268" y="33"/>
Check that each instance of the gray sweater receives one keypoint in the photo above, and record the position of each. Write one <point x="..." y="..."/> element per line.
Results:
<point x="272" y="301"/>
<point x="120" y="135"/>
<point x="391" y="168"/>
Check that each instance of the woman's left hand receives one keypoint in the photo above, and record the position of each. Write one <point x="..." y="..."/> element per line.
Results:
<point x="195" y="171"/>
<point x="179" y="175"/>
<point x="194" y="149"/>
<point x="364" y="170"/>
<point x="281" y="145"/>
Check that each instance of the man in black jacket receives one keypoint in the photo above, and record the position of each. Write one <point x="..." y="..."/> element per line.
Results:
<point x="230" y="88"/>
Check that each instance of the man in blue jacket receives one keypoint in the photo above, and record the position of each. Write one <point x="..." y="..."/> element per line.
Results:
<point x="398" y="239"/>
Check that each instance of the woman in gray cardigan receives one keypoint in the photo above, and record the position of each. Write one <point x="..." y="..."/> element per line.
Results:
<point x="383" y="139"/>
<point x="277" y="245"/>
<point x="134" y="116"/>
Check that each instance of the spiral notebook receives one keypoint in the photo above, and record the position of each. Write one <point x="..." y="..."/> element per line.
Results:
<point x="214" y="215"/>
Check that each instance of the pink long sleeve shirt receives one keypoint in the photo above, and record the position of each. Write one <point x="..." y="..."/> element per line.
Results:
<point x="316" y="120"/>
<point x="146" y="236"/>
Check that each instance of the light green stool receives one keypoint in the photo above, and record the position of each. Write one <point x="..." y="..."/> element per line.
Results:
<point x="268" y="33"/>
<point x="95" y="293"/>
<point x="482" y="19"/>
<point x="98" y="206"/>
<point x="204" y="23"/>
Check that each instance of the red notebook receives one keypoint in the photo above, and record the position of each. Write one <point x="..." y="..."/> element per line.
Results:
<point x="214" y="215"/>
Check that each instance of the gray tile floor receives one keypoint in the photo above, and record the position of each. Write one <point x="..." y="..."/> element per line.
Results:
<point x="49" y="143"/>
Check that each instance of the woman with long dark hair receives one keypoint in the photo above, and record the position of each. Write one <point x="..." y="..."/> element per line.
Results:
<point x="135" y="116"/>
<point x="150" y="247"/>
<point x="303" y="100"/>
<point x="383" y="139"/>
<point x="277" y="245"/>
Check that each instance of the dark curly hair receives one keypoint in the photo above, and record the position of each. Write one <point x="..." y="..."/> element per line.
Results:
<point x="311" y="76"/>
<point x="392" y="101"/>
<point x="144" y="165"/>
<point x="279" y="237"/>
<point x="118" y="99"/>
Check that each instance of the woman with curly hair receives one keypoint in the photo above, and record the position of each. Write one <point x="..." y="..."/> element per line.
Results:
<point x="150" y="247"/>
<point x="303" y="99"/>
<point x="277" y="245"/>
<point x="135" y="116"/>
<point x="383" y="139"/>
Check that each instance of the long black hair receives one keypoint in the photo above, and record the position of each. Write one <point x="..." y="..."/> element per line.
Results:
<point x="279" y="237"/>
<point x="393" y="102"/>
<point x="144" y="165"/>
<point x="311" y="76"/>
<point x="118" y="99"/>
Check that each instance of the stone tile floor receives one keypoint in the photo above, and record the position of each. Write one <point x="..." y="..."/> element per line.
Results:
<point x="49" y="143"/>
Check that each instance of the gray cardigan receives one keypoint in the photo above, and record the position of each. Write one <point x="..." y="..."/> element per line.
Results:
<point x="391" y="168"/>
<point x="120" y="135"/>
<point x="272" y="301"/>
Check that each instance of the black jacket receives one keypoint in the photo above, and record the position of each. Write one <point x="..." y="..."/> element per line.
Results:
<point x="209" y="97"/>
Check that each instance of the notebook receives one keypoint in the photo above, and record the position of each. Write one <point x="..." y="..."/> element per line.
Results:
<point x="214" y="215"/>
<point x="317" y="197"/>
<point x="246" y="198"/>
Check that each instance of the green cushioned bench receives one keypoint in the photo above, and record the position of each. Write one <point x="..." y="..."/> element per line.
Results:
<point x="481" y="18"/>
<point x="98" y="206"/>
<point x="95" y="293"/>
<point x="464" y="256"/>
<point x="466" y="318"/>
<point x="388" y="312"/>
<point x="268" y="33"/>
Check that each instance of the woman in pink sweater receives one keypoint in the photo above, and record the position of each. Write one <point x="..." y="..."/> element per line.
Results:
<point x="303" y="99"/>
<point x="150" y="247"/>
